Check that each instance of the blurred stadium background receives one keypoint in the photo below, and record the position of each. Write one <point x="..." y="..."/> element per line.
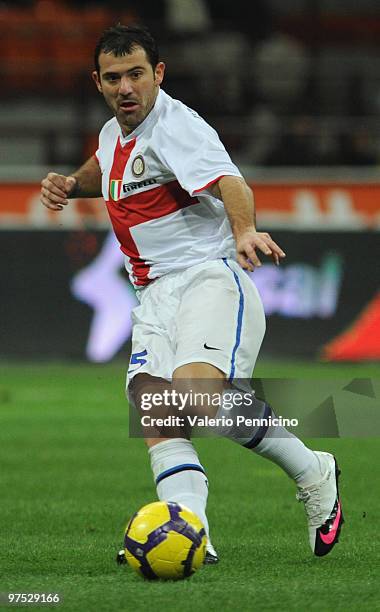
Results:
<point x="293" y="89"/>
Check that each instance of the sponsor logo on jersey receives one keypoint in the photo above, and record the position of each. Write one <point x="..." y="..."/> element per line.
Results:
<point x="128" y="187"/>
<point x="138" y="166"/>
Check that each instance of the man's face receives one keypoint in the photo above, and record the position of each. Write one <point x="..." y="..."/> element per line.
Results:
<point x="129" y="85"/>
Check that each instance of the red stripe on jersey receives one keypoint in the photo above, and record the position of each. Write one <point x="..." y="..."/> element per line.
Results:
<point x="121" y="228"/>
<point x="139" y="208"/>
<point x="120" y="159"/>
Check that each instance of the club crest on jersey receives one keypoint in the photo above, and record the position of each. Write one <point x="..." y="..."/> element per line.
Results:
<point x="115" y="189"/>
<point x="138" y="166"/>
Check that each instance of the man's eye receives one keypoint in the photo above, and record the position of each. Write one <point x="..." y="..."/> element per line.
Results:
<point x="136" y="75"/>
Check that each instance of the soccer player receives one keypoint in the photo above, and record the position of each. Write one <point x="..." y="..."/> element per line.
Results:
<point x="184" y="217"/>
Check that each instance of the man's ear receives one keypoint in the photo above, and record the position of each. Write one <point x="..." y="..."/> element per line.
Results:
<point x="159" y="73"/>
<point x="96" y="79"/>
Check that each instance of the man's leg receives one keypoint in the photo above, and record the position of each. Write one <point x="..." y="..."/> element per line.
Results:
<point x="221" y="320"/>
<point x="273" y="442"/>
<point x="315" y="473"/>
<point x="276" y="443"/>
<point x="177" y="471"/>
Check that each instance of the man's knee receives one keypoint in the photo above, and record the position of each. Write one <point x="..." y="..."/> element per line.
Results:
<point x="199" y="371"/>
<point x="198" y="388"/>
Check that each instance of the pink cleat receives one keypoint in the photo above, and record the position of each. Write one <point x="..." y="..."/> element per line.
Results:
<point x="323" y="507"/>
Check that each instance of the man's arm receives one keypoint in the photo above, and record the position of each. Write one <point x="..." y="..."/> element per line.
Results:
<point x="238" y="201"/>
<point x="56" y="189"/>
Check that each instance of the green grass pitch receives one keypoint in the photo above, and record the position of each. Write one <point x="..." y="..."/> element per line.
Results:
<point x="70" y="477"/>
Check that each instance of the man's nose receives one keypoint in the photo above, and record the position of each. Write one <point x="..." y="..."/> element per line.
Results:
<point x="125" y="86"/>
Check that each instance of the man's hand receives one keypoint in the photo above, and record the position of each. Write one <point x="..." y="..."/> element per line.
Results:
<point x="55" y="190"/>
<point x="239" y="203"/>
<point x="246" y="246"/>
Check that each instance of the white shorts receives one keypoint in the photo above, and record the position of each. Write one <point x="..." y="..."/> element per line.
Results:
<point x="209" y="313"/>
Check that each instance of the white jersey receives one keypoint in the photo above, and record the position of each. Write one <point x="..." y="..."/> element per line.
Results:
<point x="155" y="183"/>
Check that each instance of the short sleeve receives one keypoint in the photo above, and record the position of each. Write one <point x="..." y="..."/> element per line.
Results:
<point x="192" y="150"/>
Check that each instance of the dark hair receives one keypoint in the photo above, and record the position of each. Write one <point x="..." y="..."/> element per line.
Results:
<point x="121" y="40"/>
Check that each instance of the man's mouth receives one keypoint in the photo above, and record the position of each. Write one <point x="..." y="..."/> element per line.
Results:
<point x="128" y="106"/>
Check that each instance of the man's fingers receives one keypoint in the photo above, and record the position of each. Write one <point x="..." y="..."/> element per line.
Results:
<point x="51" y="205"/>
<point x="272" y="245"/>
<point x="55" y="199"/>
<point x="52" y="188"/>
<point x="265" y="245"/>
<point x="276" y="249"/>
<point x="251" y="254"/>
<point x="248" y="245"/>
<point x="276" y="258"/>
<point x="248" y="259"/>
<point x="57" y="179"/>
<point x="269" y="247"/>
<point x="56" y="183"/>
<point x="245" y="263"/>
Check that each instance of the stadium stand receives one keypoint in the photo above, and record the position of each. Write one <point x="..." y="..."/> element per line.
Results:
<point x="295" y="84"/>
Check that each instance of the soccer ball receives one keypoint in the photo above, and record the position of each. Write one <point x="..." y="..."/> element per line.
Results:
<point x="165" y="540"/>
